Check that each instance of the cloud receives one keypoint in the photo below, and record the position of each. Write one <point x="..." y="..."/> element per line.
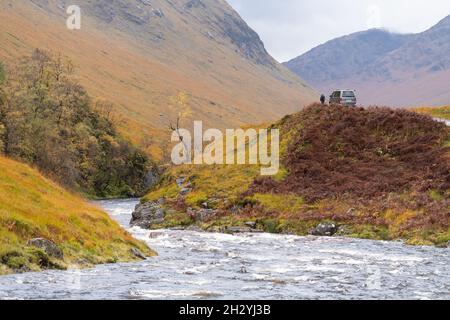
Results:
<point x="292" y="27"/>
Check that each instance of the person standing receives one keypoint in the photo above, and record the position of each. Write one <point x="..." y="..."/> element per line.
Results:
<point x="322" y="99"/>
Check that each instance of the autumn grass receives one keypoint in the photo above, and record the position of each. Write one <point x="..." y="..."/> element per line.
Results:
<point x="31" y="206"/>
<point x="220" y="183"/>
<point x="441" y="112"/>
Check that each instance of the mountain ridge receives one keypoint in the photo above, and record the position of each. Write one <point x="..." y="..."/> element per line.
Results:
<point x="385" y="68"/>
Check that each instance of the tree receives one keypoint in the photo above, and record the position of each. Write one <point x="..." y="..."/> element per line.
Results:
<point x="179" y="104"/>
<point x="48" y="119"/>
<point x="2" y="73"/>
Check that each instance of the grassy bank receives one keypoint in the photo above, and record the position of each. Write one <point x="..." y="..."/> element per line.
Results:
<point x="32" y="206"/>
<point x="378" y="173"/>
<point x="441" y="112"/>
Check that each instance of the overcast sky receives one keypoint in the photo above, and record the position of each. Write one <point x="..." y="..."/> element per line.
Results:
<point x="292" y="27"/>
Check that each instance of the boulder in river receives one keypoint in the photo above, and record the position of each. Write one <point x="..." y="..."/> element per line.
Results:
<point x="49" y="247"/>
<point x="147" y="214"/>
<point x="325" y="229"/>
<point x="155" y="235"/>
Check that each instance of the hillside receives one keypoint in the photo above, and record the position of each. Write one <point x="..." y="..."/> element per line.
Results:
<point x="377" y="173"/>
<point x="129" y="53"/>
<point x="385" y="68"/>
<point x="48" y="120"/>
<point x="33" y="207"/>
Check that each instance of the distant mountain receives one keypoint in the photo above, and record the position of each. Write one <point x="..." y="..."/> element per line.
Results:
<point x="139" y="54"/>
<point x="385" y="68"/>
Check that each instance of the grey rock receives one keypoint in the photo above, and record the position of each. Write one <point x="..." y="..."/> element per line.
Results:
<point x="251" y="224"/>
<point x="243" y="270"/>
<point x="204" y="214"/>
<point x="138" y="253"/>
<point x="151" y="178"/>
<point x="159" y="214"/>
<point x="246" y="41"/>
<point x="158" y="12"/>
<point x="194" y="4"/>
<point x="180" y="182"/>
<point x="155" y="235"/>
<point x="185" y="191"/>
<point x="49" y="247"/>
<point x="325" y="229"/>
<point x="146" y="215"/>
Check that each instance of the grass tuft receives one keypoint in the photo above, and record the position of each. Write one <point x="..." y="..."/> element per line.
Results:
<point x="32" y="206"/>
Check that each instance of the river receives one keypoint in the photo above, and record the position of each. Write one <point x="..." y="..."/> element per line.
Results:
<point x="195" y="265"/>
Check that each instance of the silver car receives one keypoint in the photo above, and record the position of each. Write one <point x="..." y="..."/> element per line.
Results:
<point x="344" y="97"/>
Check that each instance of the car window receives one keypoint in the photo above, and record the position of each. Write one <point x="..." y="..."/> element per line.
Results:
<point x="336" y="94"/>
<point x="348" y="94"/>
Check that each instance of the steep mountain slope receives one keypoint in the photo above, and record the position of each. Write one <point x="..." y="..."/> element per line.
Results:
<point x="31" y="206"/>
<point x="142" y="53"/>
<point x="385" y="68"/>
<point x="344" y="57"/>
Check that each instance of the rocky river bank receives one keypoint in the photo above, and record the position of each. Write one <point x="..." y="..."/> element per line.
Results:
<point x="206" y="265"/>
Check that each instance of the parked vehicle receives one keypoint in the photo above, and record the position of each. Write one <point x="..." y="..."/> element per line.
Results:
<point x="344" y="97"/>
